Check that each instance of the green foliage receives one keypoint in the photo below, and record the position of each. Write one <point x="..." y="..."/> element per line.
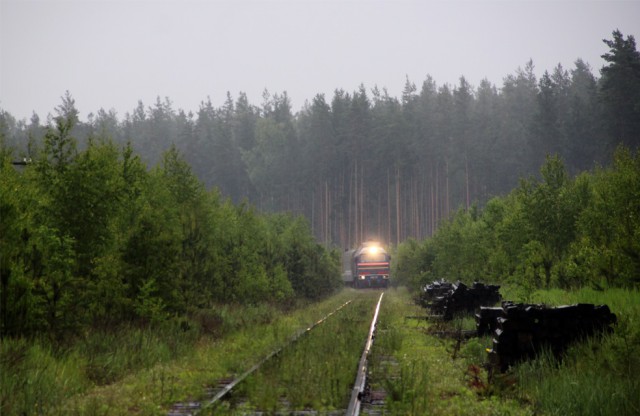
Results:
<point x="35" y="378"/>
<point x="92" y="238"/>
<point x="459" y="246"/>
<point x="312" y="270"/>
<point x="551" y="231"/>
<point x="611" y="224"/>
<point x="412" y="264"/>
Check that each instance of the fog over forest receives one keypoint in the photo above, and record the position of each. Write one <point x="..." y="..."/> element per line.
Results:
<point x="363" y="163"/>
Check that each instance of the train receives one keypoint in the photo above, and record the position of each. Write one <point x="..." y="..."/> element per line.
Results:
<point x="367" y="266"/>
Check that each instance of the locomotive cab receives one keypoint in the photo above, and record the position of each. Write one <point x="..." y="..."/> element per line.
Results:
<point x="371" y="266"/>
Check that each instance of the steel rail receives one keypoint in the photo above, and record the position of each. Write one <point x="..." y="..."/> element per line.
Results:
<point x="361" y="377"/>
<point x="226" y="389"/>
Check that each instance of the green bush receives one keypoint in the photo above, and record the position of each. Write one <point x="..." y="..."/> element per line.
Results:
<point x="551" y="231"/>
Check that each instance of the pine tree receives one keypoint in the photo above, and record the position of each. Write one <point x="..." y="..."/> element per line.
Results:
<point x="620" y="90"/>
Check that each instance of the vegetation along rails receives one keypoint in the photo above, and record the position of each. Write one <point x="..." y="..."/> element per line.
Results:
<point x="315" y="373"/>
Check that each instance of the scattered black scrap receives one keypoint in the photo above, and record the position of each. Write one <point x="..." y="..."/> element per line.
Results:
<point x="487" y="320"/>
<point x="448" y="299"/>
<point x="435" y="290"/>
<point x="521" y="331"/>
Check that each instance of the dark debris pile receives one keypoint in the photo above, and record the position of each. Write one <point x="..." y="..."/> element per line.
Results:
<point x="450" y="299"/>
<point x="521" y="331"/>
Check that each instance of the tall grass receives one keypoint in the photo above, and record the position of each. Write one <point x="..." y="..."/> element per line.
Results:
<point x="318" y="370"/>
<point x="231" y="339"/>
<point x="36" y="376"/>
<point x="33" y="379"/>
<point x="598" y="376"/>
<point x="111" y="355"/>
<point x="418" y="370"/>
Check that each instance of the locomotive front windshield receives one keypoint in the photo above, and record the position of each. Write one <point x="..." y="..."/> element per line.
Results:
<point x="368" y="257"/>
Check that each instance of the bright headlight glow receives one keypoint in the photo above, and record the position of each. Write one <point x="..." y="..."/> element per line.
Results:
<point x="373" y="250"/>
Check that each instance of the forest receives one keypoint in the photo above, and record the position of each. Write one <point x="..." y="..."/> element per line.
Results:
<point x="165" y="212"/>
<point x="364" y="164"/>
<point x="566" y="226"/>
<point x="95" y="239"/>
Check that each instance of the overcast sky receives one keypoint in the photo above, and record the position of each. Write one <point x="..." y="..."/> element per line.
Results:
<point x="111" y="53"/>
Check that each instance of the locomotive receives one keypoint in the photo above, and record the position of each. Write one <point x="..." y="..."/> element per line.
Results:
<point x="366" y="266"/>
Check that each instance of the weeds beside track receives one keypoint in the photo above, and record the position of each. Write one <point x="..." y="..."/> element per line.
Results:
<point x="316" y="373"/>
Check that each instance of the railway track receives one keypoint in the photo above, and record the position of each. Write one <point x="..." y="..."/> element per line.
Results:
<point x="361" y="378"/>
<point x="227" y="396"/>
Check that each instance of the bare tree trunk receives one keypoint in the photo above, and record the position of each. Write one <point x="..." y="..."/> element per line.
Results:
<point x="416" y="208"/>
<point x="379" y="216"/>
<point x="432" y="214"/>
<point x="438" y="201"/>
<point x="344" y="239"/>
<point x="351" y="208"/>
<point x="327" y="213"/>
<point x="388" y="206"/>
<point x="447" y="208"/>
<point x="466" y="173"/>
<point x="321" y="214"/>
<point x="313" y="214"/>
<point x="397" y="206"/>
<point x="359" y="204"/>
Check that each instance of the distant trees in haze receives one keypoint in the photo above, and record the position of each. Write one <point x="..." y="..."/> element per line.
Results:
<point x="620" y="89"/>
<point x="365" y="164"/>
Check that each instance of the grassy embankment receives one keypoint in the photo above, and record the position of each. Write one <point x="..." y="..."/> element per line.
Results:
<point x="144" y="371"/>
<point x="597" y="377"/>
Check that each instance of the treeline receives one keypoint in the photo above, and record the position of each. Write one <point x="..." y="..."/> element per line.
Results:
<point x="365" y="164"/>
<point x="93" y="238"/>
<point x="549" y="232"/>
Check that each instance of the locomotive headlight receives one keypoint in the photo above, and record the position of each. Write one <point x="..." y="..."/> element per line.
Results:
<point x="373" y="250"/>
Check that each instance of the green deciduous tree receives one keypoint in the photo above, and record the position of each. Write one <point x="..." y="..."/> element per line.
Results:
<point x="551" y="208"/>
<point x="610" y="225"/>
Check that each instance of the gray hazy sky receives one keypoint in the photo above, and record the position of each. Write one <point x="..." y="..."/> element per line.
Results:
<point x="111" y="53"/>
